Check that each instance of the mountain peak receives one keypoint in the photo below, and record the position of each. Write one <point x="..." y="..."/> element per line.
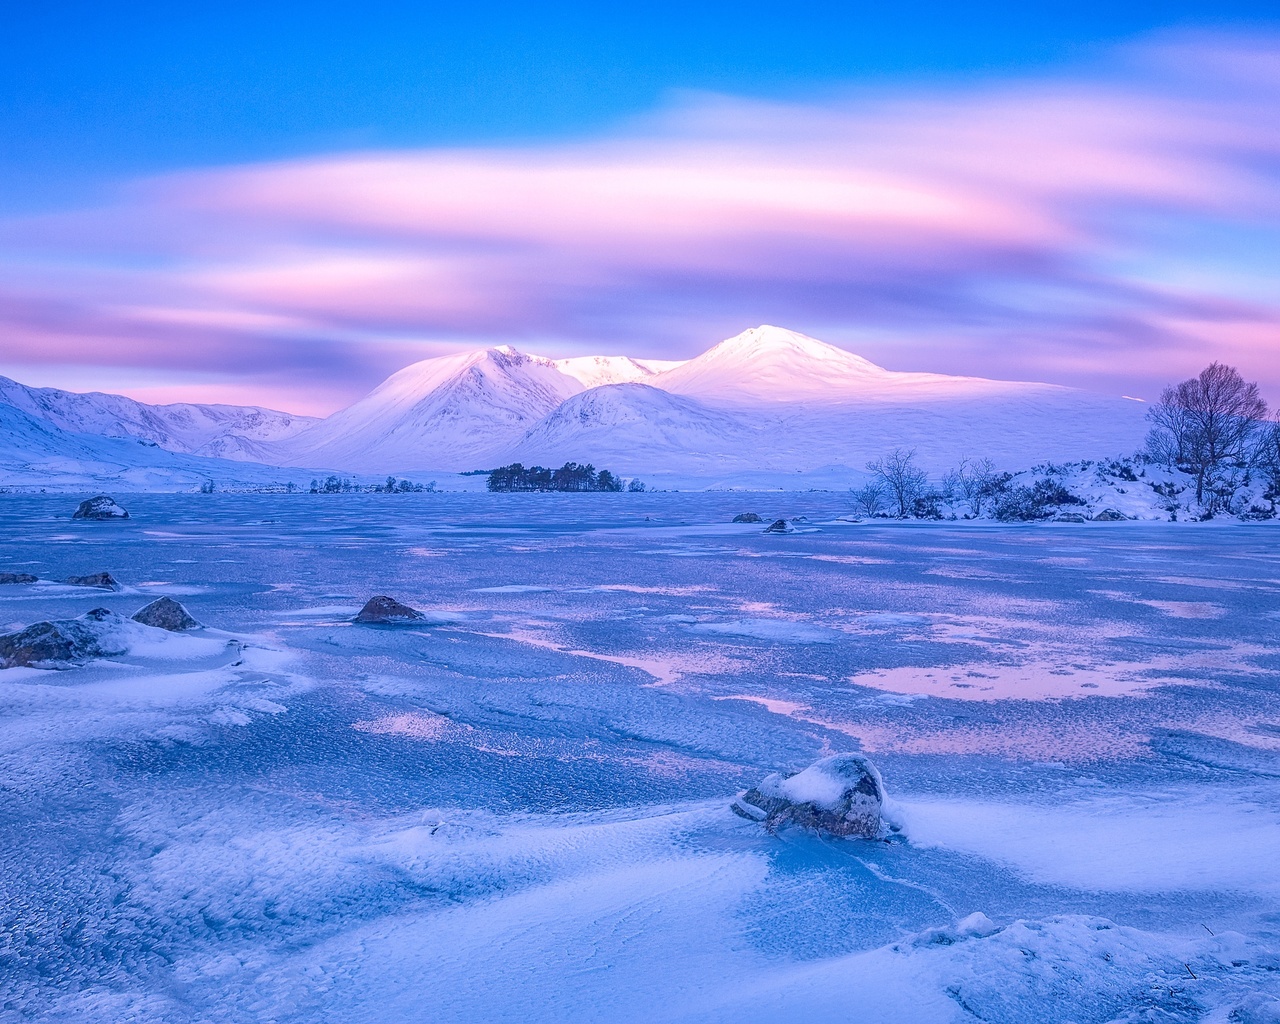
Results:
<point x="769" y="363"/>
<point x="770" y="342"/>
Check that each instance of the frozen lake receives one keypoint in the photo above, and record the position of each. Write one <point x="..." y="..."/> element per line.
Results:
<point x="519" y="811"/>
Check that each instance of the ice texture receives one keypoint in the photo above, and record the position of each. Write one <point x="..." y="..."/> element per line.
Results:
<point x="517" y="810"/>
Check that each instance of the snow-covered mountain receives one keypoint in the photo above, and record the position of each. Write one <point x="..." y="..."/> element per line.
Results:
<point x="772" y="366"/>
<point x="35" y="453"/>
<point x="767" y="401"/>
<point x="766" y="405"/>
<point x="220" y="431"/>
<point x="454" y="412"/>
<point x="596" y="371"/>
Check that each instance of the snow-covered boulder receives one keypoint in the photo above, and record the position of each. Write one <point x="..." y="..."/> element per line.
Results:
<point x="387" y="611"/>
<point x="65" y="642"/>
<point x="1069" y="517"/>
<point x="98" y="580"/>
<point x="780" y="526"/>
<point x="166" y="613"/>
<point x="1110" y="515"/>
<point x="100" y="508"/>
<point x="16" y="577"/>
<point x="747" y="517"/>
<point x="842" y="794"/>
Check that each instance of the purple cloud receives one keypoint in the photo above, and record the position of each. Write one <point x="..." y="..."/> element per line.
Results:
<point x="1032" y="229"/>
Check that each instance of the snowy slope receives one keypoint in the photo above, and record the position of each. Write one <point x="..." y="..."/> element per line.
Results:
<point x="454" y="412"/>
<point x="225" y="431"/>
<point x="771" y="365"/>
<point x="35" y="453"/>
<point x="773" y="402"/>
<point x="635" y="428"/>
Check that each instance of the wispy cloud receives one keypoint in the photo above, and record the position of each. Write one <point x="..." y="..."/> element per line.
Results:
<point x="1111" y="230"/>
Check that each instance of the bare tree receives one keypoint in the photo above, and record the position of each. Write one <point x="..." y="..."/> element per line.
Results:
<point x="900" y="475"/>
<point x="1206" y="421"/>
<point x="974" y="481"/>
<point x="1266" y="457"/>
<point x="870" y="498"/>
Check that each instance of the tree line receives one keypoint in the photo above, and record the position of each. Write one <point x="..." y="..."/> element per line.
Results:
<point x="569" y="477"/>
<point x="1213" y="427"/>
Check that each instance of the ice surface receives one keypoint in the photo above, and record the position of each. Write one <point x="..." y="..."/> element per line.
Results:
<point x="519" y="811"/>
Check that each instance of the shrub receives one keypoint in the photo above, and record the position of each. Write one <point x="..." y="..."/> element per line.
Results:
<point x="1025" y="504"/>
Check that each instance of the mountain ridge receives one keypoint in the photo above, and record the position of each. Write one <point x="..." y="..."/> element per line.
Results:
<point x="766" y="401"/>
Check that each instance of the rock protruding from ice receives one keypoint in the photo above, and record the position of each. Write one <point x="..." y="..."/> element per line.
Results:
<point x="166" y="613"/>
<point x="780" y="526"/>
<point x="99" y="580"/>
<point x="100" y="508"/>
<point x="747" y="517"/>
<point x="16" y="577"/>
<point x="842" y="795"/>
<point x="386" y="611"/>
<point x="65" y="642"/>
<point x="1110" y="515"/>
<point x="976" y="926"/>
<point x="1069" y="517"/>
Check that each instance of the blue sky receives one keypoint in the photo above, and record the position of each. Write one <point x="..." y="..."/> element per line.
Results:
<point x="94" y="90"/>
<point x="283" y="203"/>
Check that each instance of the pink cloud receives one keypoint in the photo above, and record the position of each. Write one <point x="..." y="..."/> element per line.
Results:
<point x="982" y="229"/>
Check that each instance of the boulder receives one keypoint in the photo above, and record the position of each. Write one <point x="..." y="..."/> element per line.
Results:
<point x="842" y="795"/>
<point x="747" y="517"/>
<point x="100" y="580"/>
<point x="100" y="508"/>
<point x="1069" y="517"/>
<point x="780" y="526"/>
<point x="16" y="577"/>
<point x="64" y="642"/>
<point x="1110" y="515"/>
<point x="387" y="611"/>
<point x="166" y="613"/>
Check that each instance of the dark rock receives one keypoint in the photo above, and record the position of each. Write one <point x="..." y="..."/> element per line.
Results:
<point x="100" y="508"/>
<point x="16" y="577"/>
<point x="842" y="795"/>
<point x="101" y="580"/>
<point x="780" y="526"/>
<point x="1110" y="515"/>
<point x="1069" y="517"/>
<point x="747" y="517"/>
<point x="64" y="642"/>
<point x="387" y="610"/>
<point x="166" y="613"/>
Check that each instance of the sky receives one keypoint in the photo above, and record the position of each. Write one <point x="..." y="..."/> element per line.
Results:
<point x="281" y="204"/>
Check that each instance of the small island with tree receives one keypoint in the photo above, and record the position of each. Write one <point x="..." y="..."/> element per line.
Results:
<point x="569" y="477"/>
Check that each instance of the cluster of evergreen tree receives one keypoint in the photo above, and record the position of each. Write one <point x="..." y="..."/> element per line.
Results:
<point x="569" y="477"/>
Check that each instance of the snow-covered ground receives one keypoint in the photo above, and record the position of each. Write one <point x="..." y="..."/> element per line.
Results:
<point x="518" y="809"/>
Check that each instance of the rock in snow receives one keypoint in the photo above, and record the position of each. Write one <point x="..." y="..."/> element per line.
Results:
<point x="780" y="526"/>
<point x="16" y="577"/>
<point x="64" y="642"/>
<point x="1110" y="515"/>
<point x="100" y="508"/>
<point x="842" y="795"/>
<point x="387" y="610"/>
<point x="166" y="613"/>
<point x="1069" y="517"/>
<point x="100" y="580"/>
<point x="747" y="517"/>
